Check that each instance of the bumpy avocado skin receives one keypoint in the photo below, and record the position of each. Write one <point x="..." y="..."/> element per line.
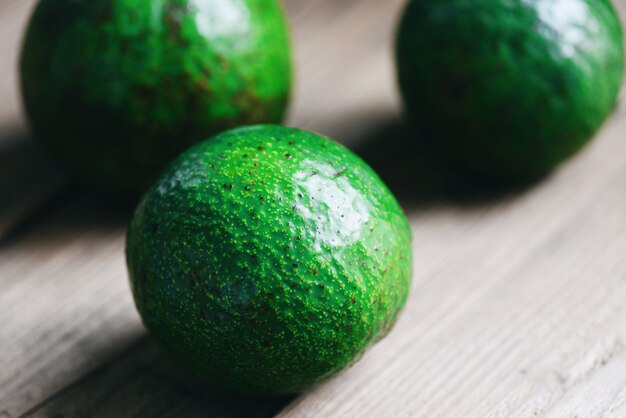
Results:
<point x="117" y="88"/>
<point x="267" y="259"/>
<point x="509" y="88"/>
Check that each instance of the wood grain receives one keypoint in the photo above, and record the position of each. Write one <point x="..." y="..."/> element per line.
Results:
<point x="517" y="307"/>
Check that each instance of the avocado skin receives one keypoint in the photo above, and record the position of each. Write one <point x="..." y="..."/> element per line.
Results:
<point x="509" y="88"/>
<point x="268" y="259"/>
<point x="115" y="89"/>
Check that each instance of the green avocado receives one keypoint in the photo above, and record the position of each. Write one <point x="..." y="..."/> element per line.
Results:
<point x="509" y="88"/>
<point x="115" y="89"/>
<point x="268" y="259"/>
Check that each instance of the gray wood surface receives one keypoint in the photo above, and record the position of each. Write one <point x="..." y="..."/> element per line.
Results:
<point x="518" y="300"/>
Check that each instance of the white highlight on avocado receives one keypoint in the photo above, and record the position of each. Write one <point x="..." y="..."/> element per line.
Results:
<point x="569" y="21"/>
<point x="218" y="18"/>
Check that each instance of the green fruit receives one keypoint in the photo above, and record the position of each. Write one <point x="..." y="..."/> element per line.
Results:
<point x="509" y="88"/>
<point x="268" y="259"/>
<point x="117" y="88"/>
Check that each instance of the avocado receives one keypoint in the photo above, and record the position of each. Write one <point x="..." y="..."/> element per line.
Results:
<point x="268" y="259"/>
<point x="508" y="89"/>
<point x="116" y="89"/>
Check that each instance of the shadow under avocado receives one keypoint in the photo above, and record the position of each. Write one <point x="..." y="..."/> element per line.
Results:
<point x="35" y="193"/>
<point x="68" y="213"/>
<point x="415" y="173"/>
<point x="140" y="381"/>
<point x="420" y="177"/>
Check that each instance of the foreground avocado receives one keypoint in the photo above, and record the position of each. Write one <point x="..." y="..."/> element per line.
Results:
<point x="509" y="88"/>
<point x="115" y="89"/>
<point x="268" y="259"/>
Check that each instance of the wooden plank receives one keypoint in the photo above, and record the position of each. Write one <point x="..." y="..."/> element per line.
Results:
<point x="64" y="290"/>
<point x="65" y="303"/>
<point x="344" y="62"/>
<point x="517" y="305"/>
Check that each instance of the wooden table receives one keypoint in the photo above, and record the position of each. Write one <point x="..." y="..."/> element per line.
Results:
<point x="519" y="299"/>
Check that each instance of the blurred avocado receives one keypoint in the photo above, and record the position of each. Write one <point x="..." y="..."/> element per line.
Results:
<point x="116" y="88"/>
<point x="508" y="89"/>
